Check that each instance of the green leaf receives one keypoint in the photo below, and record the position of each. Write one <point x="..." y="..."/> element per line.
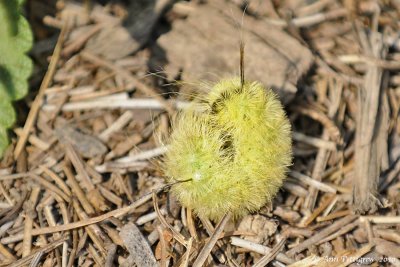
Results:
<point x="15" y="66"/>
<point x="3" y="140"/>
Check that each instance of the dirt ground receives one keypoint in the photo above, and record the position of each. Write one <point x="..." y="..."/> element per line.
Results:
<point x="81" y="185"/>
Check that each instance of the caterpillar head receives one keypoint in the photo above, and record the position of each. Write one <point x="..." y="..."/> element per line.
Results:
<point x="234" y="155"/>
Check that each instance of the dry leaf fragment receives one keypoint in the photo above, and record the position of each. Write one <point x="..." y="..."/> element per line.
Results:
<point x="387" y="248"/>
<point x="211" y="35"/>
<point x="88" y="146"/>
<point x="258" y="224"/>
<point x="138" y="247"/>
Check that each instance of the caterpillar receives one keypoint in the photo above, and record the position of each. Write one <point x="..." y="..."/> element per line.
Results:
<point x="232" y="156"/>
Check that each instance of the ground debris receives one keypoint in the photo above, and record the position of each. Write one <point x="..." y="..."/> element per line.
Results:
<point x="211" y="35"/>
<point x="138" y="247"/>
<point x="80" y="184"/>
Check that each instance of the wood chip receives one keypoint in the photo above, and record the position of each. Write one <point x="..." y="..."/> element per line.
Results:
<point x="136" y="244"/>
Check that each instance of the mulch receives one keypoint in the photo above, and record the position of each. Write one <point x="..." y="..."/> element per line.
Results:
<point x="80" y="184"/>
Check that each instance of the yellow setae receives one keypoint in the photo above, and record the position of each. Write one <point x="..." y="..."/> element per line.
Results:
<point x="234" y="154"/>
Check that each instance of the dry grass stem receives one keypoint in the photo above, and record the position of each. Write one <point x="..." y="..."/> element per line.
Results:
<point x="81" y="182"/>
<point x="205" y="251"/>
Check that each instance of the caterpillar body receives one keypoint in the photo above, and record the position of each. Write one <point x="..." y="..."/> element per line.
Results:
<point x="233" y="155"/>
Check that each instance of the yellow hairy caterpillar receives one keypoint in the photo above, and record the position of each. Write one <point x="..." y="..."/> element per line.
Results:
<point x="232" y="156"/>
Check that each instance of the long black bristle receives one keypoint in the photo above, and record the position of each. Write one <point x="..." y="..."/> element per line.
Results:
<point x="242" y="63"/>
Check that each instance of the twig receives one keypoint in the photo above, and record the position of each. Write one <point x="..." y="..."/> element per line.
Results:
<point x="204" y="253"/>
<point x="310" y="20"/>
<point x="82" y="223"/>
<point x="321" y="234"/>
<point x="388" y="234"/>
<point x="334" y="215"/>
<point x="317" y="142"/>
<point x="178" y="236"/>
<point x="312" y="260"/>
<point x="384" y="64"/>
<point x="382" y="219"/>
<point x="129" y="161"/>
<point x="144" y="155"/>
<point x="387" y="178"/>
<point x="34" y="140"/>
<point x="13" y="176"/>
<point x="46" y="249"/>
<point x="64" y="259"/>
<point x="130" y="78"/>
<point x="330" y="130"/>
<point x="29" y="214"/>
<point x="295" y="189"/>
<point x="186" y="256"/>
<point x="313" y="7"/>
<point x="94" y="255"/>
<point x="311" y="182"/>
<point x="60" y="182"/>
<point x="149" y="217"/>
<point x="6" y="195"/>
<point x="112" y="250"/>
<point x="261" y="249"/>
<point x="74" y="248"/>
<point x="191" y="225"/>
<point x="36" y="260"/>
<point x="33" y="112"/>
<point x="341" y="231"/>
<point x="355" y="256"/>
<point x="121" y="122"/>
<point x="325" y="120"/>
<point x="93" y="230"/>
<point x="318" y="210"/>
<point x="325" y="69"/>
<point x="81" y="40"/>
<point x="163" y="261"/>
<point x="77" y="190"/>
<point x="371" y="129"/>
<point x="79" y="167"/>
<point x="7" y="254"/>
<point x="270" y="256"/>
<point x="49" y="186"/>
<point x="144" y="103"/>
